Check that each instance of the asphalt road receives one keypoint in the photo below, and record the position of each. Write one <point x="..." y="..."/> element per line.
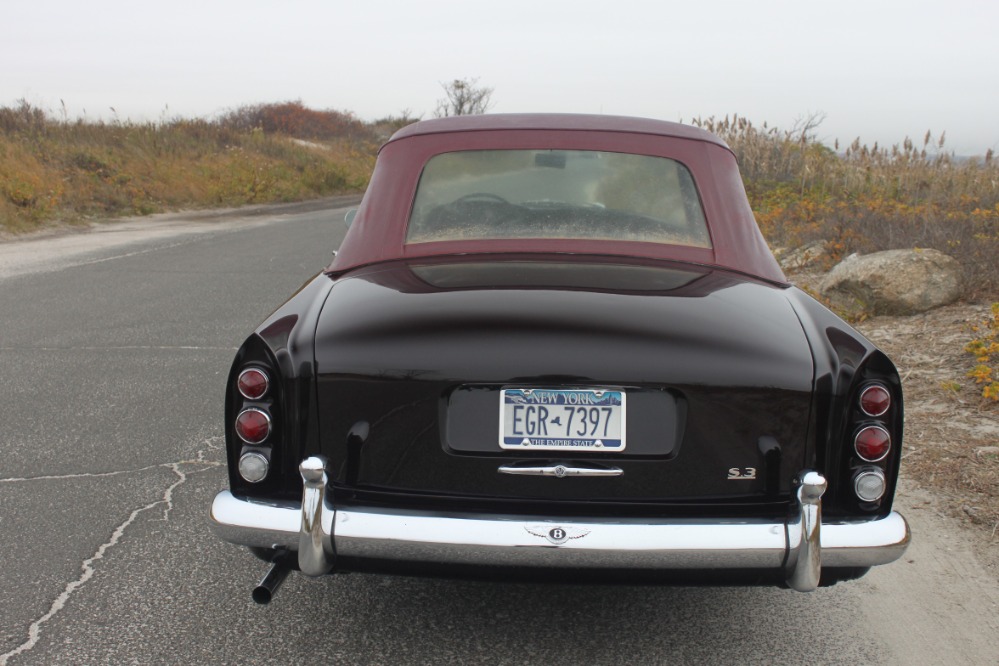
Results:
<point x="114" y="349"/>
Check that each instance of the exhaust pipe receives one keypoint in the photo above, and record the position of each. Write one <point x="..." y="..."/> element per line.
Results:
<point x="269" y="584"/>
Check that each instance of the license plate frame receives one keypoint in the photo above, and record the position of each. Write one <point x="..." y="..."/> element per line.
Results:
<point x="603" y="409"/>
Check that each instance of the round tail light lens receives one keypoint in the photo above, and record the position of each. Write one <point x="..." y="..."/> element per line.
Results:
<point x="253" y="426"/>
<point x="875" y="400"/>
<point x="872" y="443"/>
<point x="252" y="383"/>
<point x="870" y="485"/>
<point x="253" y="467"/>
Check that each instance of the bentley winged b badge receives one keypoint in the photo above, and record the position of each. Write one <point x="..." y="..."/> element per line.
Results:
<point x="556" y="535"/>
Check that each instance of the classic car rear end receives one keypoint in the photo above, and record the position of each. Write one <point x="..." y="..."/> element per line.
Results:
<point x="558" y="346"/>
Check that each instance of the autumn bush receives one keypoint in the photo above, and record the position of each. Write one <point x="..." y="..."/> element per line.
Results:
<point x="296" y="120"/>
<point x="864" y="199"/>
<point x="985" y="348"/>
<point x="74" y="170"/>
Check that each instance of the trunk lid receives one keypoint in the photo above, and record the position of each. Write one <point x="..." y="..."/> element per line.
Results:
<point x="412" y="359"/>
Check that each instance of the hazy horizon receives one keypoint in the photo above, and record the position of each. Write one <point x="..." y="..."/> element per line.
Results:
<point x="881" y="72"/>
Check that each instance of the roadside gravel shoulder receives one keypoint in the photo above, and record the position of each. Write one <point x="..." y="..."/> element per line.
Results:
<point x="73" y="245"/>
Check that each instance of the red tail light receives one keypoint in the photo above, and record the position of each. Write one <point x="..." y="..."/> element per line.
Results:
<point x="872" y="443"/>
<point x="253" y="383"/>
<point x="875" y="400"/>
<point x="253" y="425"/>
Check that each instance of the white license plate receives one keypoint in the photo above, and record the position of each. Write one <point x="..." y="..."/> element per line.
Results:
<point x="562" y="419"/>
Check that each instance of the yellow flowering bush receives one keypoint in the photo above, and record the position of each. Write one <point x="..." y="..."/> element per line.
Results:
<point x="985" y="349"/>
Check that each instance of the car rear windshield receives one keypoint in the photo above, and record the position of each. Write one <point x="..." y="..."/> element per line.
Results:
<point x="557" y="194"/>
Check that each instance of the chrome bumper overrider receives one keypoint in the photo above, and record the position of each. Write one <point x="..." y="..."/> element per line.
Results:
<point x="320" y="532"/>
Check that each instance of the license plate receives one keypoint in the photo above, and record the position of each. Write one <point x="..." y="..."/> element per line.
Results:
<point x="562" y="419"/>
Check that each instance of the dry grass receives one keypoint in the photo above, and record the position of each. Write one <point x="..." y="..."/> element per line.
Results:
<point x="867" y="199"/>
<point x="74" y="170"/>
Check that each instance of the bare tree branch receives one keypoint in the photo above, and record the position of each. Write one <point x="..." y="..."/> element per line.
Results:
<point x="464" y="98"/>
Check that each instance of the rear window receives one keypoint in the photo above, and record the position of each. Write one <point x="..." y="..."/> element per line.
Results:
<point x="556" y="194"/>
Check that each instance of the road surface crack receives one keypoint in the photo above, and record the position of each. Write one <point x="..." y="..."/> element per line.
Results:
<point x="98" y="475"/>
<point x="87" y="568"/>
<point x="199" y="459"/>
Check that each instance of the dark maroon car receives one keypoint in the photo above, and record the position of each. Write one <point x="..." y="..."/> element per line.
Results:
<point x="557" y="346"/>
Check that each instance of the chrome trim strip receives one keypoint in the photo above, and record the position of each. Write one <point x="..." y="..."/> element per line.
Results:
<point x="491" y="539"/>
<point x="520" y="541"/>
<point x="560" y="471"/>
<point x="804" y="534"/>
<point x="315" y="547"/>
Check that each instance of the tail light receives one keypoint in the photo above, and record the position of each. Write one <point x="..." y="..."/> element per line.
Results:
<point x="870" y="485"/>
<point x="253" y="405"/>
<point x="253" y="466"/>
<point x="253" y="383"/>
<point x="872" y="443"/>
<point x="253" y="425"/>
<point x="875" y="400"/>
<point x="875" y="429"/>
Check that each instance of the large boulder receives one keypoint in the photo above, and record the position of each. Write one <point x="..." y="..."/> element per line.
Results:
<point x="896" y="282"/>
<point x="811" y="255"/>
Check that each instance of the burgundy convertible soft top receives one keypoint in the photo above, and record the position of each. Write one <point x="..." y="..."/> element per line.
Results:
<point x="378" y="232"/>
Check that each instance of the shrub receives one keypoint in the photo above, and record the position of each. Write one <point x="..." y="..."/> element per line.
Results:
<point x="295" y="120"/>
<point x="985" y="349"/>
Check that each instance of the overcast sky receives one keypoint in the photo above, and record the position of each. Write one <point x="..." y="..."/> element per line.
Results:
<point x="880" y="70"/>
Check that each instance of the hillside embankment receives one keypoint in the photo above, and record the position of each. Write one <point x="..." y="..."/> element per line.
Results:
<point x="61" y="172"/>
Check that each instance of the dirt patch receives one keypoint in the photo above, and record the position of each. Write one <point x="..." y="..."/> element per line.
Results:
<point x="951" y="432"/>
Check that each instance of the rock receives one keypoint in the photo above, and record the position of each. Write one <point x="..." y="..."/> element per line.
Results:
<point x="894" y="282"/>
<point x="805" y="256"/>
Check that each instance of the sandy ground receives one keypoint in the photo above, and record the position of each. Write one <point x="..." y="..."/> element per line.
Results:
<point x="950" y="430"/>
<point x="949" y="427"/>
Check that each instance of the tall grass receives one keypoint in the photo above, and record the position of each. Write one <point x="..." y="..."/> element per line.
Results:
<point x="73" y="170"/>
<point x="866" y="199"/>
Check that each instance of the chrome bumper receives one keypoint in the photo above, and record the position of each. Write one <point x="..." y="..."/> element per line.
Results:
<point x="320" y="532"/>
